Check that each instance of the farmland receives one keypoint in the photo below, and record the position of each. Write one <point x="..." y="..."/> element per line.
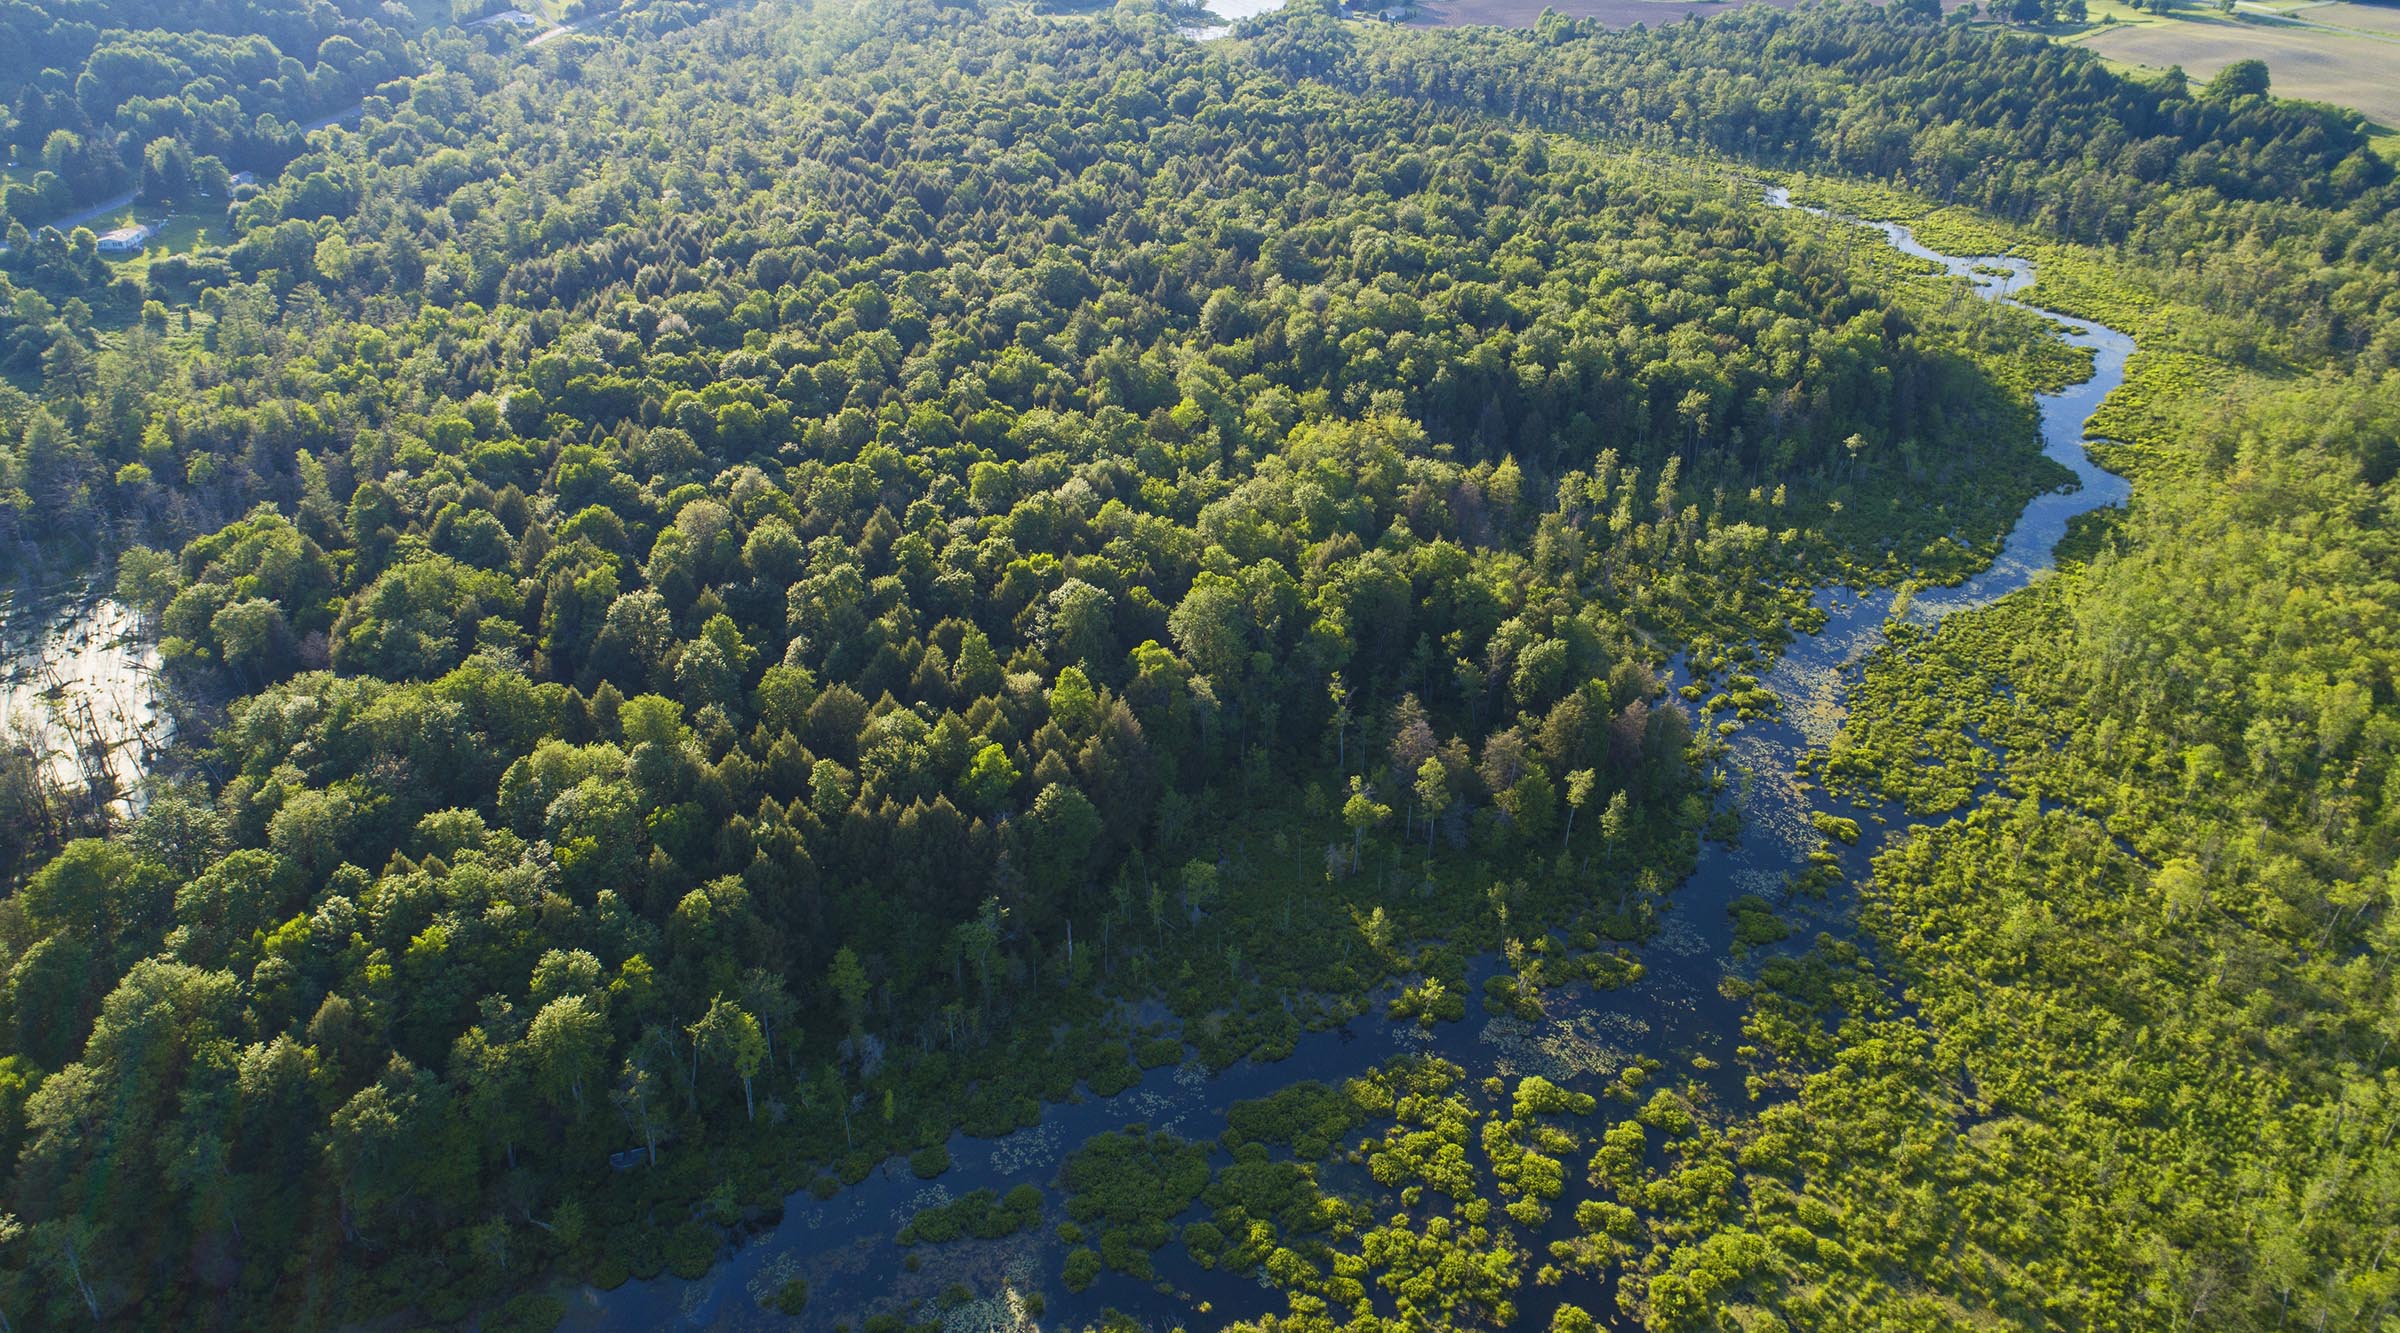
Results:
<point x="2341" y="14"/>
<point x="2347" y="69"/>
<point x="1614" y="13"/>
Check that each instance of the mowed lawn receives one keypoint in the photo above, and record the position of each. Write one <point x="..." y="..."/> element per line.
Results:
<point x="2362" y="71"/>
<point x="171" y="234"/>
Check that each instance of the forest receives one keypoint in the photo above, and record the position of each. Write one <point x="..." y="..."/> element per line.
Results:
<point x="174" y="104"/>
<point x="171" y="99"/>
<point x="748" y="594"/>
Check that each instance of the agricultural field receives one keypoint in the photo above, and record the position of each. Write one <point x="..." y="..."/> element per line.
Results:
<point x="1614" y="13"/>
<point x="2356" y="71"/>
<point x="2342" y="14"/>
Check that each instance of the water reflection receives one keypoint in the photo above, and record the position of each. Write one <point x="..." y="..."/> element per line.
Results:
<point x="79" y="683"/>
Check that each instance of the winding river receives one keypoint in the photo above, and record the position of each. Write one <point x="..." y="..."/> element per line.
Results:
<point x="843" y="1245"/>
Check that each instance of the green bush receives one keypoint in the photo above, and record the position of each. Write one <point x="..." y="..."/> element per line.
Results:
<point x="982" y="1214"/>
<point x="690" y="1249"/>
<point x="645" y="1251"/>
<point x="791" y="1298"/>
<point x="1755" y="922"/>
<point x="532" y="1312"/>
<point x="1113" y="1078"/>
<point x="1836" y="827"/>
<point x="1204" y="1242"/>
<point x="1158" y="1052"/>
<point x="1310" y="1117"/>
<point x="1082" y="1269"/>
<point x="608" y="1272"/>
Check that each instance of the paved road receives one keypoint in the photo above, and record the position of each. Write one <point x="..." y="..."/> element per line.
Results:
<point x="577" y="26"/>
<point x="93" y="214"/>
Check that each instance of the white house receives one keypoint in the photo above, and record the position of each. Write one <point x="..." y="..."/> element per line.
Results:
<point x="125" y="240"/>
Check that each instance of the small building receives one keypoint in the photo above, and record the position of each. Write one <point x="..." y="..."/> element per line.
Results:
<point x="125" y="240"/>
<point x="242" y="178"/>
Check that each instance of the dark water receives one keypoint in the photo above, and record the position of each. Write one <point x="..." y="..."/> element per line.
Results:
<point x="1675" y="1013"/>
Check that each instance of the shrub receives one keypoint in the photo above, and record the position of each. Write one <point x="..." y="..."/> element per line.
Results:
<point x="690" y="1249"/>
<point x="926" y="1163"/>
<point x="1204" y="1242"/>
<point x="532" y="1312"/>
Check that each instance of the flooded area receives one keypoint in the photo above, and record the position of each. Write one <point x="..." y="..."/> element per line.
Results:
<point x="79" y="684"/>
<point x="1677" y="1011"/>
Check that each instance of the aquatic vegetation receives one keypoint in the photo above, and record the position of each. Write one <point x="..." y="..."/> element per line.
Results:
<point x="982" y="1214"/>
<point x="765" y="599"/>
<point x="1123" y="1187"/>
<point x="928" y="1162"/>
<point x="1309" y="1117"/>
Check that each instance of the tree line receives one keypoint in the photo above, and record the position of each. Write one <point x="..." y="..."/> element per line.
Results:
<point x="731" y="601"/>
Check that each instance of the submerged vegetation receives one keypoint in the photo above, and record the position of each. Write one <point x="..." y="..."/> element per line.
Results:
<point x="761" y="599"/>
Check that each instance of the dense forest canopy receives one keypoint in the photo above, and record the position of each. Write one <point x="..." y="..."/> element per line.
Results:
<point x="2278" y="214"/>
<point x="174" y="104"/>
<point x="171" y="99"/>
<point x="762" y="588"/>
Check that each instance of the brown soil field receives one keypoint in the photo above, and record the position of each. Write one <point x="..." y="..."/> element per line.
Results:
<point x="2365" y="18"/>
<point x="2359" y="72"/>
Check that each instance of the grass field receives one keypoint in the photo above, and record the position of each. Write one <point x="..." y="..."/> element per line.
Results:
<point x="123" y="217"/>
<point x="2105" y="13"/>
<point x="2356" y="70"/>
<point x="179" y="233"/>
<point x="172" y="234"/>
<point x="1613" y="13"/>
<point x="2366" y="18"/>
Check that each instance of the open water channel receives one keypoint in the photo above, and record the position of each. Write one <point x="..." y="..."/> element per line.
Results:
<point x="843" y="1245"/>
